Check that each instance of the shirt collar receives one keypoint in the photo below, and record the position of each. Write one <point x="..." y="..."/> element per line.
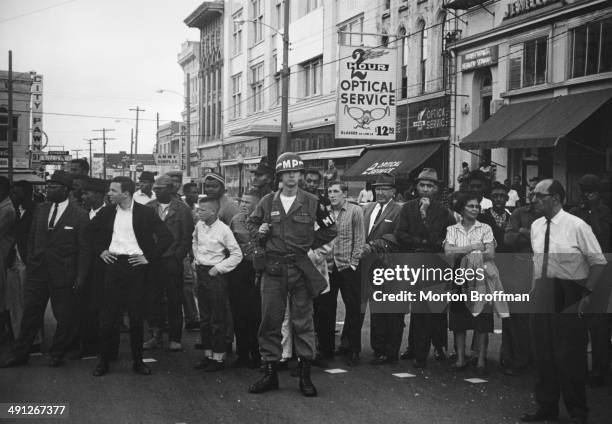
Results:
<point x="558" y="217"/>
<point x="63" y="204"/>
<point x="211" y="225"/>
<point x="128" y="209"/>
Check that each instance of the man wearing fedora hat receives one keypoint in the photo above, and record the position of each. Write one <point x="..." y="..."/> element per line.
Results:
<point x="380" y="220"/>
<point x="422" y="229"/>
<point x="58" y="262"/>
<point x="144" y="194"/>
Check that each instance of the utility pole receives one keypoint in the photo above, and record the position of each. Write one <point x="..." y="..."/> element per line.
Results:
<point x="132" y="152"/>
<point x="89" y="140"/>
<point x="138" y="109"/>
<point x="77" y="153"/>
<point x="188" y="119"/>
<point x="10" y="117"/>
<point x="284" y="137"/>
<point x="104" y="130"/>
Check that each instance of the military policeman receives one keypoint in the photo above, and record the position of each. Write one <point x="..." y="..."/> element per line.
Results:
<point x="286" y="220"/>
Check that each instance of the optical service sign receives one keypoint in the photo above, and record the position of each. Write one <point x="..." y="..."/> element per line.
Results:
<point x="366" y="94"/>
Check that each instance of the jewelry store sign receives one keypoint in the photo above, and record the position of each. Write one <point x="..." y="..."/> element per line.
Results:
<point x="479" y="58"/>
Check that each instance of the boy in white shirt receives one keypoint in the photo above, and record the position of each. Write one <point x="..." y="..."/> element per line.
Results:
<point x="212" y="239"/>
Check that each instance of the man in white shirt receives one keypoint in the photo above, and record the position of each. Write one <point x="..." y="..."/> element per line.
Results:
<point x="127" y="236"/>
<point x="145" y="194"/>
<point x="211" y="240"/>
<point x="568" y="264"/>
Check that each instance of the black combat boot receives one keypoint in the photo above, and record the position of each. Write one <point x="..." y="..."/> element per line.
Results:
<point x="306" y="387"/>
<point x="269" y="381"/>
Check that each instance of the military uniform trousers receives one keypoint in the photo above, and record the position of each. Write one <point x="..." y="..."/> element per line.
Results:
<point x="124" y="288"/>
<point x="278" y="282"/>
<point x="245" y="302"/>
<point x="40" y="286"/>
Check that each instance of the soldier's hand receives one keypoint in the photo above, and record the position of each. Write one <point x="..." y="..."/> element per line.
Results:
<point x="108" y="257"/>
<point x="136" y="260"/>
<point x="213" y="272"/>
<point x="264" y="228"/>
<point x="583" y="306"/>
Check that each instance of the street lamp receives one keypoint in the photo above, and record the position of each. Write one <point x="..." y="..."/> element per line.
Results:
<point x="187" y="99"/>
<point x="240" y="160"/>
<point x="284" y="137"/>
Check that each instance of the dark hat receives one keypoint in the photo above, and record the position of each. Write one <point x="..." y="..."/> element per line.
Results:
<point x="263" y="169"/>
<point x="428" y="174"/>
<point x="589" y="183"/>
<point x="147" y="176"/>
<point x="97" y="185"/>
<point x="215" y="176"/>
<point x="384" y="180"/>
<point x="163" y="181"/>
<point x="62" y="177"/>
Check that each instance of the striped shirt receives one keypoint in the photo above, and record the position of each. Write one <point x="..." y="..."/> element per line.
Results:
<point x="456" y="235"/>
<point x="348" y="244"/>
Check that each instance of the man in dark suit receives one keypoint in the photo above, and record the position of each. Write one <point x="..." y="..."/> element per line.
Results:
<point x="166" y="272"/>
<point x="58" y="261"/>
<point x="128" y="237"/>
<point x="380" y="220"/>
<point x="422" y="229"/>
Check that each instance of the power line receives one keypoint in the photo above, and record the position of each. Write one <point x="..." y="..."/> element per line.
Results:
<point x="36" y="11"/>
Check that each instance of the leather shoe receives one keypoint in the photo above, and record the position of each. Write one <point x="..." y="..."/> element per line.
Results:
<point x="352" y="360"/>
<point x="101" y="368"/>
<point x="539" y="415"/>
<point x="14" y="361"/>
<point x="342" y="351"/>
<point x="439" y="354"/>
<point x="409" y="354"/>
<point x="140" y="368"/>
<point x="379" y="360"/>
<point x="55" y="362"/>
<point x="419" y="363"/>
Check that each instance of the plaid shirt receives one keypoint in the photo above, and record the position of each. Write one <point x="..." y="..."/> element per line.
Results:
<point x="348" y="244"/>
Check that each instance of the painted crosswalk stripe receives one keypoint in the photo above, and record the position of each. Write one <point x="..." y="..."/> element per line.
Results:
<point x="403" y="375"/>
<point x="475" y="380"/>
<point x="335" y="371"/>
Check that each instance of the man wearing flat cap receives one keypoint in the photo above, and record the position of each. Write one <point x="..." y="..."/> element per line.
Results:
<point x="380" y="220"/>
<point x="214" y="186"/>
<point x="422" y="229"/>
<point x="144" y="194"/>
<point x="58" y="262"/>
<point x="166" y="273"/>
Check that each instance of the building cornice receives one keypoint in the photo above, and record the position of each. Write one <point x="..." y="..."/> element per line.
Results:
<point x="205" y="13"/>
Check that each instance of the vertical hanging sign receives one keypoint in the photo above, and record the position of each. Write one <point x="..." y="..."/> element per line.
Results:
<point x="366" y="93"/>
<point x="37" y="118"/>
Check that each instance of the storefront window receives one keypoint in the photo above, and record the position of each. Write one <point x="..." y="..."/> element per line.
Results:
<point x="528" y="63"/>
<point x="591" y="46"/>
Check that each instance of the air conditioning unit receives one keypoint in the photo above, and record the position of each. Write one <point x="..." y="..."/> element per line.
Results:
<point x="496" y="105"/>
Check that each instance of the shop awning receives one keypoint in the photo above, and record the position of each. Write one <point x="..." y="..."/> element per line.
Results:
<point x="539" y="123"/>
<point x="257" y="130"/>
<point x="398" y="159"/>
<point x="247" y="161"/>
<point x="332" y="153"/>
<point x="24" y="176"/>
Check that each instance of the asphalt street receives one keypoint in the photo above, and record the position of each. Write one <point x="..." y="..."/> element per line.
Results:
<point x="176" y="393"/>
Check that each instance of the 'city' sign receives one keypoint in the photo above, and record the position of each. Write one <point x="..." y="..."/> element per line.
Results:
<point x="519" y="7"/>
<point x="479" y="58"/>
<point x="366" y="93"/>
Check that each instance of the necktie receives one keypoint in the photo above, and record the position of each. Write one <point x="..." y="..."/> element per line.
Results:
<point x="546" y="249"/>
<point x="376" y="218"/>
<point x="53" y="216"/>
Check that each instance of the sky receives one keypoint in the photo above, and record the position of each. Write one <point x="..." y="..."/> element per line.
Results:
<point x="100" y="58"/>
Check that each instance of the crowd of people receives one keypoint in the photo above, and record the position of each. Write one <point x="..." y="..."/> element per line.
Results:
<point x="266" y="272"/>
